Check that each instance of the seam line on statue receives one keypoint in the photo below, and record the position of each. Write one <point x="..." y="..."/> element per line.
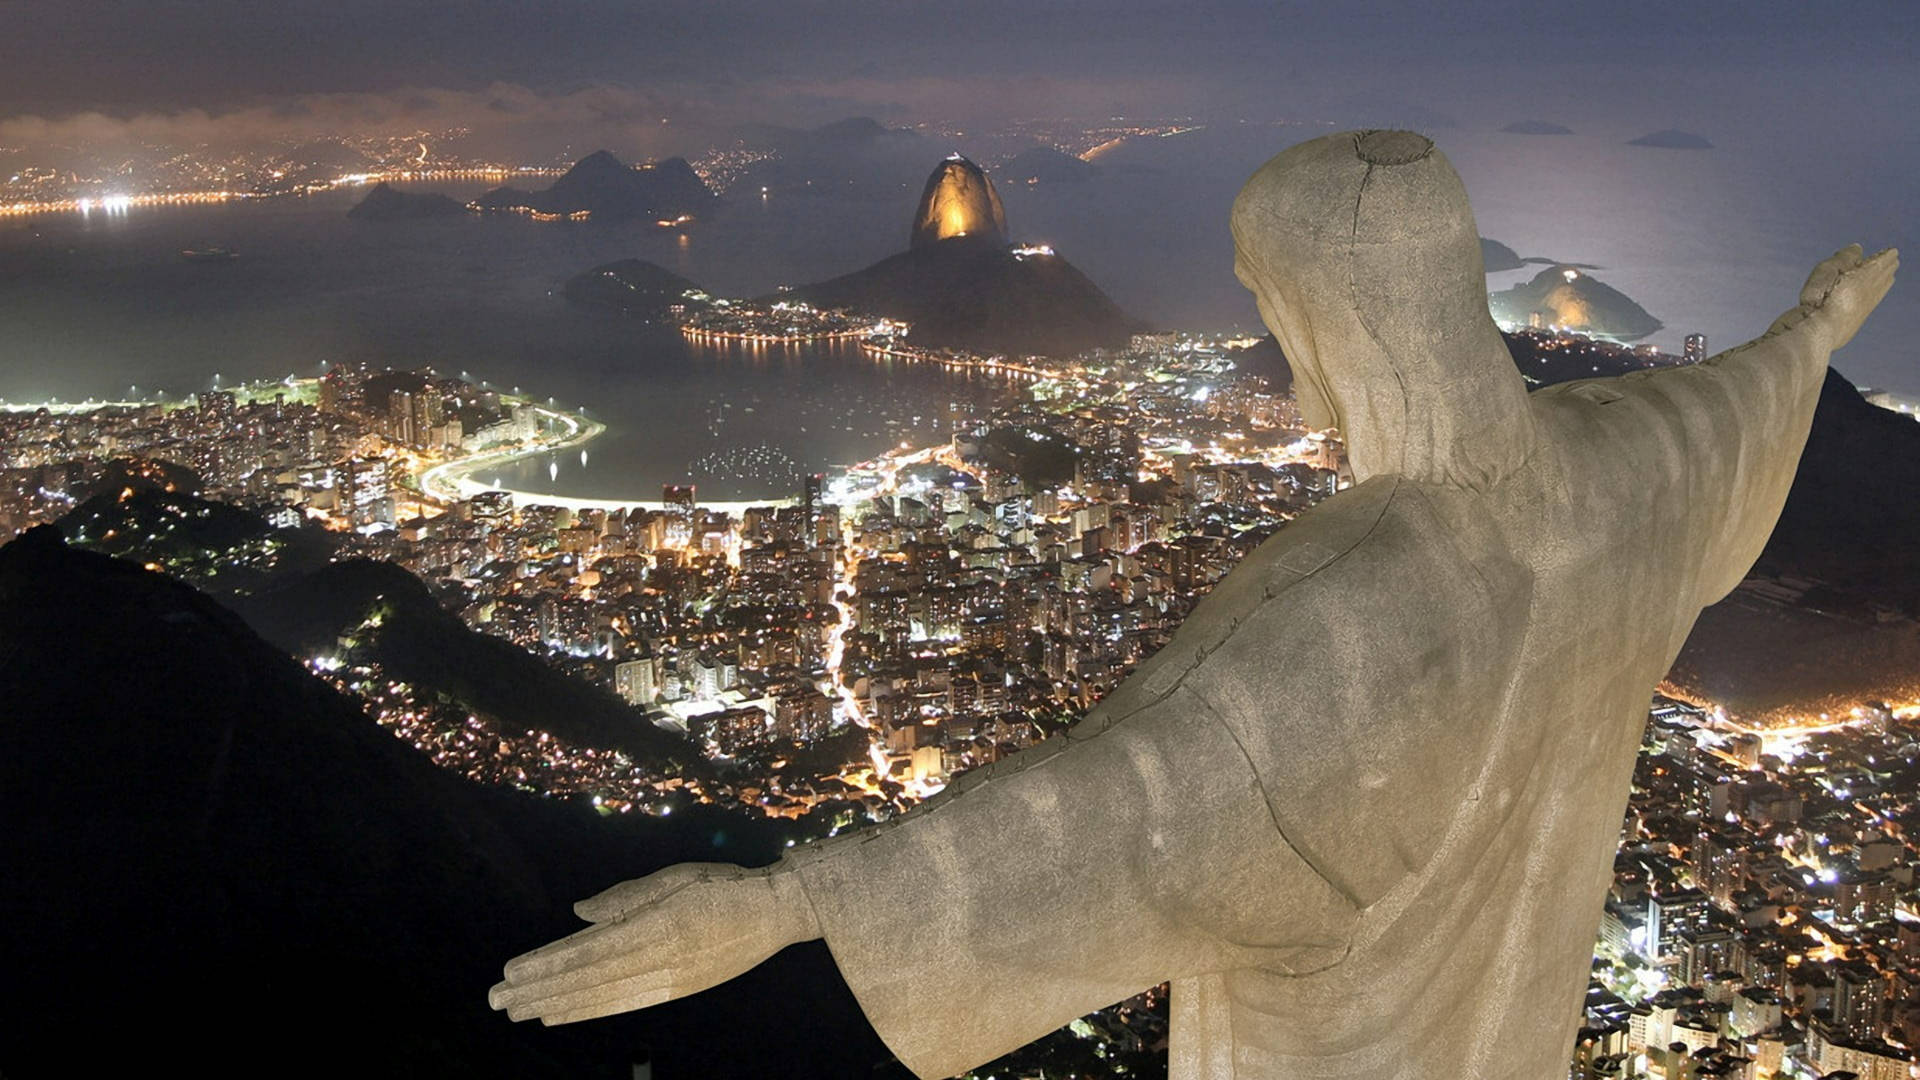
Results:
<point x="819" y="928"/>
<point x="1259" y="781"/>
<point x="1267" y="801"/>
<point x="1353" y="298"/>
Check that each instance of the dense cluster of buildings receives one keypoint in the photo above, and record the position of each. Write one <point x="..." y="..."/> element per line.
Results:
<point x="345" y="449"/>
<point x="775" y="323"/>
<point x="893" y="623"/>
<point x="949" y="603"/>
<point x="1761" y="921"/>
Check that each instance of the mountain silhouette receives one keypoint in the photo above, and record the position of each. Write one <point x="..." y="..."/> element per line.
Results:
<point x="217" y="859"/>
<point x="1563" y="295"/>
<point x="969" y="292"/>
<point x="1850" y="520"/>
<point x="629" y="286"/>
<point x="388" y="203"/>
<point x="609" y="190"/>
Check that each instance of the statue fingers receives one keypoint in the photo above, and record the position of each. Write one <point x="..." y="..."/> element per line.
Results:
<point x="607" y="950"/>
<point x="620" y="995"/>
<point x="1827" y="274"/>
<point x="1856" y="294"/>
<point x="651" y="969"/>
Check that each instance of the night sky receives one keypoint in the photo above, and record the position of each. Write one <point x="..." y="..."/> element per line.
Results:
<point x="1704" y="64"/>
<point x="1815" y="106"/>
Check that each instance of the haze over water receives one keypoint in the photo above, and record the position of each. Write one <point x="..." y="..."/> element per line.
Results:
<point x="1716" y="241"/>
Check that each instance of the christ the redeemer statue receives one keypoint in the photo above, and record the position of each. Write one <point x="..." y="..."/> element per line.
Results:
<point x="1362" y="810"/>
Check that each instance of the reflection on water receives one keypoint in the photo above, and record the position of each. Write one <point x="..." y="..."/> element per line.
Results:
<point x="1716" y="241"/>
<point x="93" y="306"/>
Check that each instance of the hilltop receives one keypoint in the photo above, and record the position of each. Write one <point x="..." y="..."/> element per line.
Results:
<point x="388" y="203"/>
<point x="608" y="190"/>
<point x="632" y="287"/>
<point x="229" y="863"/>
<point x="961" y="286"/>
<point x="1562" y="295"/>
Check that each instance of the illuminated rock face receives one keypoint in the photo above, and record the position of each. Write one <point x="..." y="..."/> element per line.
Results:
<point x="1564" y="296"/>
<point x="959" y="200"/>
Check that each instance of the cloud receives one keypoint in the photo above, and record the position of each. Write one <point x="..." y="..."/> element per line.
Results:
<point x="502" y="114"/>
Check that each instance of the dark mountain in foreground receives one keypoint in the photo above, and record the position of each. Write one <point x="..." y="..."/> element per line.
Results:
<point x="218" y="859"/>
<point x="1045" y="165"/>
<point x="1562" y="295"/>
<point x="1671" y="139"/>
<point x="974" y="293"/>
<point x="397" y="622"/>
<point x="631" y="287"/>
<point x="388" y="203"/>
<point x="1851" y="520"/>
<point x="283" y="582"/>
<point x="608" y="190"/>
<point x="1826" y="620"/>
<point x="217" y="546"/>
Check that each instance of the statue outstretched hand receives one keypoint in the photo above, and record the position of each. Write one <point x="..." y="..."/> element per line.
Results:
<point x="1841" y="292"/>
<point x="663" y="936"/>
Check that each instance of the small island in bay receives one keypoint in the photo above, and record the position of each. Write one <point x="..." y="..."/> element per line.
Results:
<point x="603" y="188"/>
<point x="388" y="203"/>
<point x="634" y="287"/>
<point x="1672" y="139"/>
<point x="1563" y="296"/>
<point x="1536" y="127"/>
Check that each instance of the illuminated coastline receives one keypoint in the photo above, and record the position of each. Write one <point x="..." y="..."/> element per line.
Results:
<point x="711" y="336"/>
<point x="118" y="204"/>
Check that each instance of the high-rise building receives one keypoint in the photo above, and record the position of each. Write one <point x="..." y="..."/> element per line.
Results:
<point x="369" y="486"/>
<point x="679" y="504"/>
<point x="1695" y="349"/>
<point x="400" y="417"/>
<point x="809" y="505"/>
<point x="637" y="681"/>
<point x="1859" y="998"/>
<point x="1668" y="914"/>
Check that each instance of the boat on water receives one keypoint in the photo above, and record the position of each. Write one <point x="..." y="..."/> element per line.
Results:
<point x="209" y="253"/>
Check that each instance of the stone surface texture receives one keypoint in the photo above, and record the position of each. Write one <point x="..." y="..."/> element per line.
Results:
<point x="1362" y="809"/>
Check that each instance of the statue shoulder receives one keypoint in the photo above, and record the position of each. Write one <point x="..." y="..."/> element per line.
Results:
<point x="1362" y="659"/>
<point x="1334" y="530"/>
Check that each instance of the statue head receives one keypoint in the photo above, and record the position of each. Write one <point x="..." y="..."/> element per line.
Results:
<point x="1362" y="253"/>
